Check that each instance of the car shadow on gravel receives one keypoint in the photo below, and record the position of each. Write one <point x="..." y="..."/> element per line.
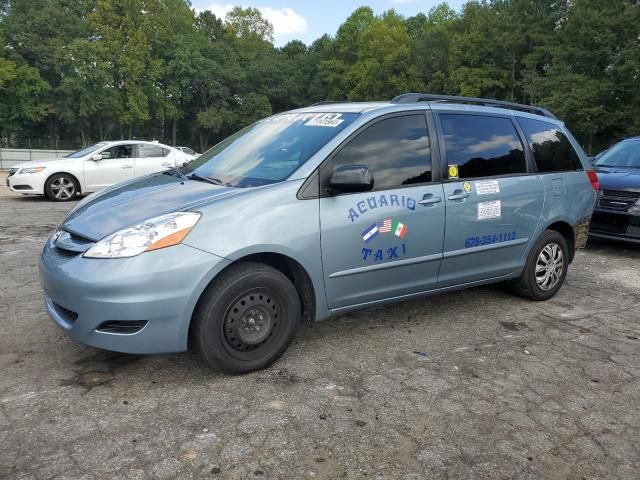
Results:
<point x="97" y="367"/>
<point x="613" y="247"/>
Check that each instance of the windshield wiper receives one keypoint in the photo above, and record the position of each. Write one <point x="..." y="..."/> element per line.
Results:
<point x="177" y="171"/>
<point x="211" y="180"/>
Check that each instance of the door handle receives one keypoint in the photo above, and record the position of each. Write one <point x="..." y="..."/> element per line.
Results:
<point x="458" y="196"/>
<point x="124" y="167"/>
<point x="429" y="200"/>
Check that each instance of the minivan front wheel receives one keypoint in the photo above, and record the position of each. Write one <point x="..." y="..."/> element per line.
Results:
<point x="246" y="318"/>
<point x="546" y="267"/>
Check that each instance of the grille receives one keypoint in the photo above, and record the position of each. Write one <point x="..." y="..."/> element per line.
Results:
<point x="617" y="199"/>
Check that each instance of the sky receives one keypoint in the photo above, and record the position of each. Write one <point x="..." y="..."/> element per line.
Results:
<point x="308" y="20"/>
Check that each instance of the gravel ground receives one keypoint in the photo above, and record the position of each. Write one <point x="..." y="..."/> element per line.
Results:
<point x="474" y="384"/>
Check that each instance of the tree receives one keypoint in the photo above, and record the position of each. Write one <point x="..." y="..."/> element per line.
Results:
<point x="21" y="90"/>
<point x="79" y="70"/>
<point x="124" y="29"/>
<point x="249" y="23"/>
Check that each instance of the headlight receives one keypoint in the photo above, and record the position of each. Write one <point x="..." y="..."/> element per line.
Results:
<point x="27" y="171"/>
<point x="159" y="232"/>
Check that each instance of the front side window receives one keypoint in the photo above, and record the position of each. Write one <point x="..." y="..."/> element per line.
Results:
<point x="622" y="155"/>
<point x="119" y="151"/>
<point x="396" y="150"/>
<point x="270" y="150"/>
<point x="86" y="151"/>
<point x="482" y="146"/>
<point x="552" y="150"/>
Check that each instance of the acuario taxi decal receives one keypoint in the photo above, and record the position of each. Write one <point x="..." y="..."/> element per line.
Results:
<point x="380" y="201"/>
<point x="386" y="226"/>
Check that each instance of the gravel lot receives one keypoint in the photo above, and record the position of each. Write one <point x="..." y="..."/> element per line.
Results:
<point x="500" y="387"/>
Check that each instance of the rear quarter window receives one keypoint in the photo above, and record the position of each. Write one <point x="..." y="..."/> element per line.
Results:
<point x="552" y="150"/>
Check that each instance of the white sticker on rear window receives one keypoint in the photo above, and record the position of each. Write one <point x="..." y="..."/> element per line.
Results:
<point x="487" y="187"/>
<point x="492" y="209"/>
<point x="326" y="120"/>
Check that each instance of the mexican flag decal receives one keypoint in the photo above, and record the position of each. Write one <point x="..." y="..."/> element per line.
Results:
<point x="399" y="229"/>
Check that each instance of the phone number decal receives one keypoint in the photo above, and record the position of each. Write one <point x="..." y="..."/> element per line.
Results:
<point x="489" y="239"/>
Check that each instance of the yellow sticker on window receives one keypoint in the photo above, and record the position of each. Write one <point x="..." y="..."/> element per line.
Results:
<point x="466" y="186"/>
<point x="453" y="171"/>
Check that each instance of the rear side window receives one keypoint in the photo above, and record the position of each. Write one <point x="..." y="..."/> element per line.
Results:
<point x="551" y="148"/>
<point x="396" y="150"/>
<point x="147" y="151"/>
<point x="482" y="146"/>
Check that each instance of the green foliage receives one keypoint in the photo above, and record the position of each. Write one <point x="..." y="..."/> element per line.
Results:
<point x="21" y="90"/>
<point x="248" y="23"/>
<point x="85" y="70"/>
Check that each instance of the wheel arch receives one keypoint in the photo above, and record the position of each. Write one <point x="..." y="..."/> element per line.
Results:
<point x="565" y="229"/>
<point x="64" y="172"/>
<point x="285" y="264"/>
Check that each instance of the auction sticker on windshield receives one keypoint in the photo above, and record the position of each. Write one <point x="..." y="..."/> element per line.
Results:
<point x="326" y="120"/>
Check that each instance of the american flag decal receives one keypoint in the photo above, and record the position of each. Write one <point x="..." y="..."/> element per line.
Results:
<point x="385" y="226"/>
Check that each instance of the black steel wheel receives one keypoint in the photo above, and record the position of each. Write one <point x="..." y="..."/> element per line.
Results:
<point x="246" y="318"/>
<point x="251" y="321"/>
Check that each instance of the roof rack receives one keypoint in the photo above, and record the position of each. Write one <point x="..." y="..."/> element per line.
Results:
<point x="328" y="102"/>
<point x="428" y="97"/>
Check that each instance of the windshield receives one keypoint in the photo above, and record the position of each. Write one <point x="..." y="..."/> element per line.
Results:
<point x="86" y="150"/>
<point x="270" y="150"/>
<point x="623" y="154"/>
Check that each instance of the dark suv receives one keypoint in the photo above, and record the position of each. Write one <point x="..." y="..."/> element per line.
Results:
<point x="617" y="213"/>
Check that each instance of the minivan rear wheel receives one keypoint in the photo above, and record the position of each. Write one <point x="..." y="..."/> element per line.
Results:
<point x="246" y="318"/>
<point x="546" y="267"/>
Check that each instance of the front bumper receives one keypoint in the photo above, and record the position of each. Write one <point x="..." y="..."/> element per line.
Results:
<point x="158" y="290"/>
<point x="607" y="224"/>
<point x="27" y="184"/>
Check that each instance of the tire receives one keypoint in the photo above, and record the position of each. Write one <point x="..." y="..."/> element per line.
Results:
<point x="246" y="318"/>
<point x="550" y="256"/>
<point x="61" y="187"/>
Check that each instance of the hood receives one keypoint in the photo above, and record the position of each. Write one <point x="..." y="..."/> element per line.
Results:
<point x="132" y="202"/>
<point x="43" y="163"/>
<point x="619" y="178"/>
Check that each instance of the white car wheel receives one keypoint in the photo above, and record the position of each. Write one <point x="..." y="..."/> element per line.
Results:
<point x="61" y="187"/>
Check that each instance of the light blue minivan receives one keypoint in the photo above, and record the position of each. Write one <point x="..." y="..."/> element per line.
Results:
<point x="319" y="211"/>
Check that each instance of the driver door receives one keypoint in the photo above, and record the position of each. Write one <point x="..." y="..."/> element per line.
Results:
<point x="386" y="242"/>
<point x="116" y="165"/>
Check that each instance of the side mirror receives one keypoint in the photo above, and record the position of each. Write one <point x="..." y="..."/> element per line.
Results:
<point x="351" y="178"/>
<point x="96" y="157"/>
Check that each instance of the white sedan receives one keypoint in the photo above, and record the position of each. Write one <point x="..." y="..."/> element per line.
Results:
<point x="93" y="168"/>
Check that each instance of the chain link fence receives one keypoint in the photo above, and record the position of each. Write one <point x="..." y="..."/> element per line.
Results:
<point x="37" y="143"/>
